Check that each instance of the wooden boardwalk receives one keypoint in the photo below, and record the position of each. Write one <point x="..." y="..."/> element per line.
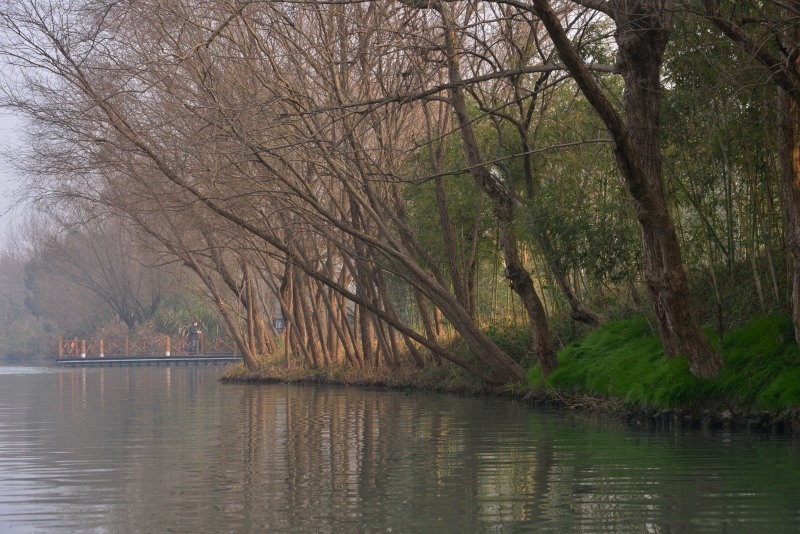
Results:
<point x="110" y="361"/>
<point x="143" y="351"/>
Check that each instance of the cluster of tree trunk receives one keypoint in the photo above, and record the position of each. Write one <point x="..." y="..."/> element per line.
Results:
<point x="282" y="152"/>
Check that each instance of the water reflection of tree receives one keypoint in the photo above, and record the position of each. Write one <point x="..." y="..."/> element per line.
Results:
<point x="387" y="459"/>
<point x="327" y="459"/>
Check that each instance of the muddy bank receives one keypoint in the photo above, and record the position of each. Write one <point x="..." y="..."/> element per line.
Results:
<point x="705" y="416"/>
<point x="726" y="420"/>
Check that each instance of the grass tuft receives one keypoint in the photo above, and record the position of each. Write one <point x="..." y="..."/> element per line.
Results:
<point x="625" y="360"/>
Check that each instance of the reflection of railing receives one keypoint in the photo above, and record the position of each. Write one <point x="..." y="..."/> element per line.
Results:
<point x="141" y="346"/>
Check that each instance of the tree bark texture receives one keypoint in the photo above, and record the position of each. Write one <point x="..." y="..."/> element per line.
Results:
<point x="643" y="30"/>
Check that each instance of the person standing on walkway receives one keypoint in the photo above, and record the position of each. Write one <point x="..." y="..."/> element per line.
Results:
<point x="194" y="338"/>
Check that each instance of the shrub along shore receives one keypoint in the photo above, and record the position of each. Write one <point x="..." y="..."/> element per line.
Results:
<point x="620" y="370"/>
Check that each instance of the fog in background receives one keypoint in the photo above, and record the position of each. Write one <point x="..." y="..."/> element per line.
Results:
<point x="10" y="182"/>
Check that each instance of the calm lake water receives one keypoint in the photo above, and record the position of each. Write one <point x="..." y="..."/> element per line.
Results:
<point x="170" y="449"/>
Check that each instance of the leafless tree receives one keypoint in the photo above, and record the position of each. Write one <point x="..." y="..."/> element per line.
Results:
<point x="259" y="115"/>
<point x="107" y="262"/>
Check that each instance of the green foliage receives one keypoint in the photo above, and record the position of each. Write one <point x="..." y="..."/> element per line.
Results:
<point x="576" y="200"/>
<point x="762" y="362"/>
<point x="177" y="313"/>
<point x="465" y="207"/>
<point x="718" y="138"/>
<point x="600" y="240"/>
<point x="736" y="296"/>
<point x="514" y="340"/>
<point x="625" y="360"/>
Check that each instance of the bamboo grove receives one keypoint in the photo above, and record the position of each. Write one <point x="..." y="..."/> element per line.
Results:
<point x="386" y="174"/>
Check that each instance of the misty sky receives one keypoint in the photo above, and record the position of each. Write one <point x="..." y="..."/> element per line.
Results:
<point x="9" y="126"/>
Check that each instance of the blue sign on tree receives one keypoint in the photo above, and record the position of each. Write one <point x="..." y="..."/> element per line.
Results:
<point x="279" y="323"/>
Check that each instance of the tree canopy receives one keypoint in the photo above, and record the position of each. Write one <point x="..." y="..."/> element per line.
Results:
<point x="382" y="175"/>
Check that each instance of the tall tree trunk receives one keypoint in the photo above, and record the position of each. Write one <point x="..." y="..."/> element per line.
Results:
<point x="296" y="338"/>
<point x="285" y="300"/>
<point x="504" y="203"/>
<point x="344" y="306"/>
<point x="643" y="30"/>
<point x="642" y="36"/>
<point x="336" y="309"/>
<point x="460" y="273"/>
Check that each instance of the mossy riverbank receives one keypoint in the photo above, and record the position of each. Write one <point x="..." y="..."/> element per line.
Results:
<point x="621" y="370"/>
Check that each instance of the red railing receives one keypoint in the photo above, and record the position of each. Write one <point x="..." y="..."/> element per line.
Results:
<point x="141" y="346"/>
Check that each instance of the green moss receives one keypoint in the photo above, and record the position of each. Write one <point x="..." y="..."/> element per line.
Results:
<point x="625" y="360"/>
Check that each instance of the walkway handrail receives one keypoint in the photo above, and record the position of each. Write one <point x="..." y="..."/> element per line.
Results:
<point x="162" y="345"/>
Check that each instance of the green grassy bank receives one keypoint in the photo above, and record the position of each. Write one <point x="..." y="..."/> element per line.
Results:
<point x="625" y="363"/>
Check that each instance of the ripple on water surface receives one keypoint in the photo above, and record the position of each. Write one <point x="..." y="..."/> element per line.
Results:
<point x="159" y="450"/>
